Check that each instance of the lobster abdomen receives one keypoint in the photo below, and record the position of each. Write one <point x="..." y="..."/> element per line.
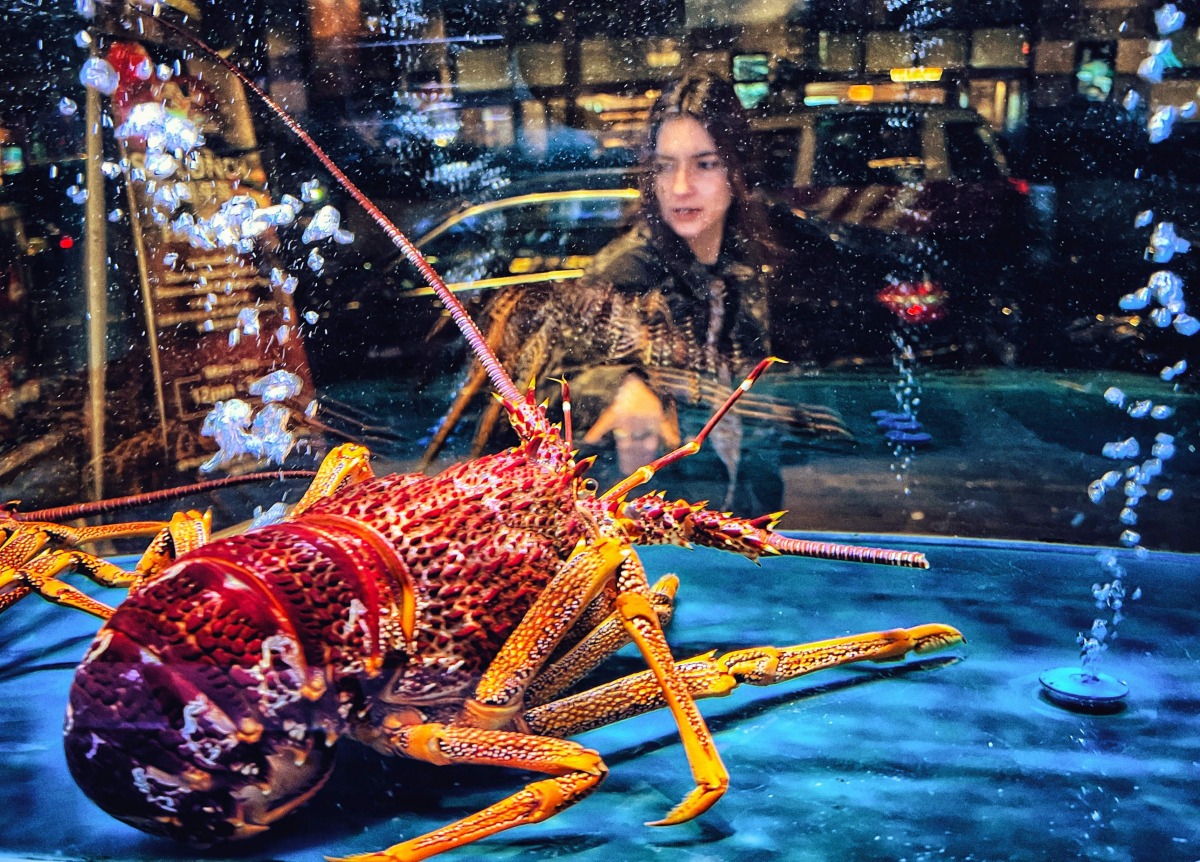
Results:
<point x="209" y="703"/>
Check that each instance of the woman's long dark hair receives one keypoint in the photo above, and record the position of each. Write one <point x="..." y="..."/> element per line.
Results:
<point x="711" y="101"/>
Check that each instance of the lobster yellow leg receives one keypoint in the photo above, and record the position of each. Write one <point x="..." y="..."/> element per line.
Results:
<point x="636" y="610"/>
<point x="38" y="576"/>
<point x="186" y="532"/>
<point x="576" y="771"/>
<point x="499" y="696"/>
<point x="710" y="675"/>
<point x="345" y="464"/>
<point x="600" y="643"/>
<point x="30" y="565"/>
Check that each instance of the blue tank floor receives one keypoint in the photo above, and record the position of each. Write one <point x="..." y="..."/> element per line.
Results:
<point x="952" y="756"/>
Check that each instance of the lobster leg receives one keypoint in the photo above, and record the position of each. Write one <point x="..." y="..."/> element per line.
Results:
<point x="20" y="576"/>
<point x="636" y="610"/>
<point x="30" y="565"/>
<point x="710" y="675"/>
<point x="499" y="696"/>
<point x="644" y="474"/>
<point x="348" y="463"/>
<point x="600" y="643"/>
<point x="575" y="772"/>
<point x="186" y="532"/>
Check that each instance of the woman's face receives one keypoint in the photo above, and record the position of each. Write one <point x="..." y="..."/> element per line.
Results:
<point x="691" y="183"/>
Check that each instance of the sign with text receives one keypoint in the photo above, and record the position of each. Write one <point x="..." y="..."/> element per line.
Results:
<point x="216" y="320"/>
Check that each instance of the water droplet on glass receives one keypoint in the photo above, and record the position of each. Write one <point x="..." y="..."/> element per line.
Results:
<point x="1134" y="301"/>
<point x="1140" y="409"/>
<point x="247" y="321"/>
<point x="161" y="164"/>
<point x="1134" y="491"/>
<point x="1168" y="19"/>
<point x="1162" y="121"/>
<point x="277" y="386"/>
<point x="1122" y="449"/>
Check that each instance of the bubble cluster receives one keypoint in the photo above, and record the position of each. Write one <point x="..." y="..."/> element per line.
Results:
<point x="239" y="431"/>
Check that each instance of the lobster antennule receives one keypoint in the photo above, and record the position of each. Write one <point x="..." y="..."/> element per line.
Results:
<point x="646" y="473"/>
<point x="487" y="357"/>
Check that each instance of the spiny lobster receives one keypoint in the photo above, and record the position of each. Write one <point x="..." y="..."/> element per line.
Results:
<point x="437" y="618"/>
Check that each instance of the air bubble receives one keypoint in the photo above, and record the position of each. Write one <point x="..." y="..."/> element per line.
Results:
<point x="99" y="75"/>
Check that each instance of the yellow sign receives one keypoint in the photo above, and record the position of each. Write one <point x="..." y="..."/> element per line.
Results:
<point x="913" y="74"/>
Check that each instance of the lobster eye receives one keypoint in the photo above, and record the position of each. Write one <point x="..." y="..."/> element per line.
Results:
<point x="588" y="488"/>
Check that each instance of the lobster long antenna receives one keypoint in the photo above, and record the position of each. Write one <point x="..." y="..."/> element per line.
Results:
<point x="487" y="357"/>
<point x="116" y="504"/>
<point x="847" y="553"/>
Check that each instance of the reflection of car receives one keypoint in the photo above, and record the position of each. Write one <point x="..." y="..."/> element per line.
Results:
<point x="928" y="171"/>
<point x="850" y="287"/>
<point x="1100" y="190"/>
<point x="918" y="169"/>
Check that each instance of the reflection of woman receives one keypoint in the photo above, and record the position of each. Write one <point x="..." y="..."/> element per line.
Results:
<point x="676" y="308"/>
<point x="694" y="266"/>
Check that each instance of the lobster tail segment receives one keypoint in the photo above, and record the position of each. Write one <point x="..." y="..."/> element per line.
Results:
<point x="148" y="742"/>
<point x="195" y="715"/>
